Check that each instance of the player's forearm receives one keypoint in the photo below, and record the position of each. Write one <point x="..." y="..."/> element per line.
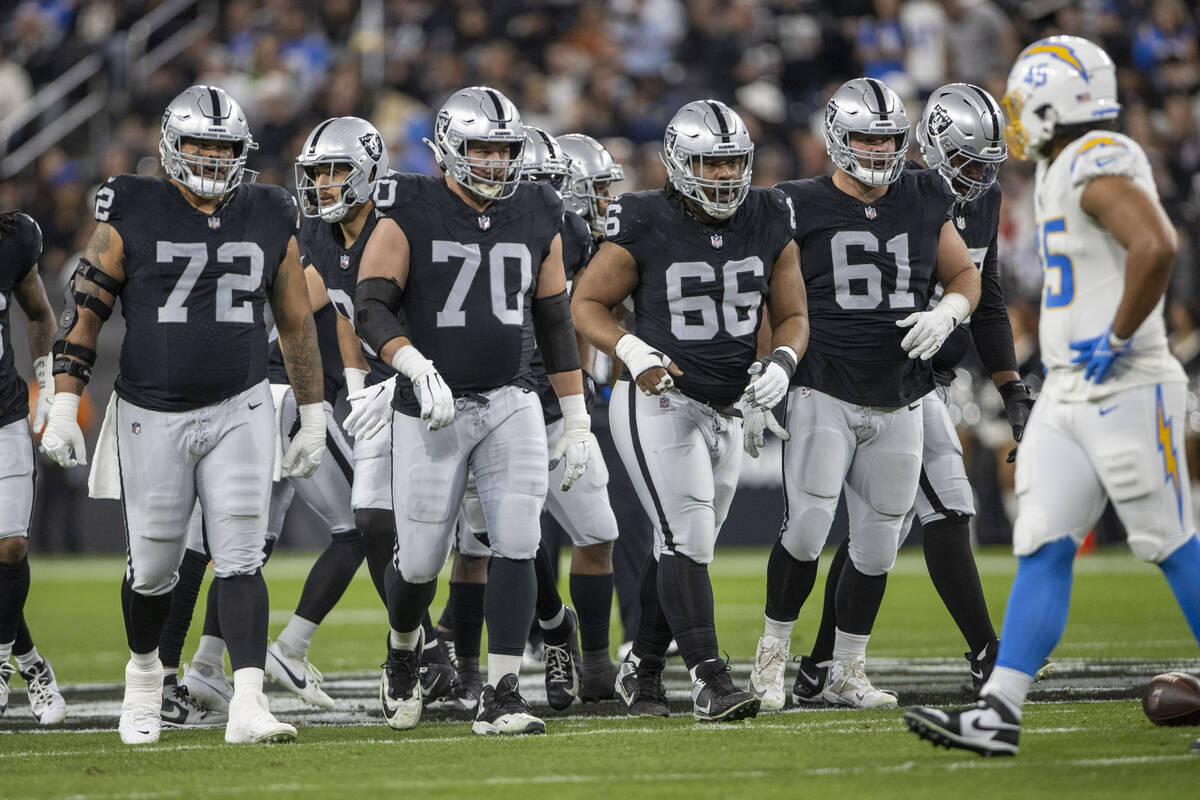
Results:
<point x="966" y="283"/>
<point x="1005" y="376"/>
<point x="350" y="346"/>
<point x="1147" y="272"/>
<point x="566" y="383"/>
<point x="596" y="323"/>
<point x="791" y="331"/>
<point x="41" y="328"/>
<point x="302" y="358"/>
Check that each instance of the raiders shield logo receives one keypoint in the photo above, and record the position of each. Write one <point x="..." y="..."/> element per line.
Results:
<point x="960" y="221"/>
<point x="214" y="223"/>
<point x="372" y="144"/>
<point x="344" y="261"/>
<point x="485" y="222"/>
<point x="870" y="212"/>
<point x="717" y="241"/>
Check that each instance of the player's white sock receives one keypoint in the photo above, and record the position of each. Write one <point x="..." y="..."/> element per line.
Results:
<point x="553" y="622"/>
<point x="297" y="635"/>
<point x="24" y="660"/>
<point x="777" y="629"/>
<point x="247" y="679"/>
<point x="499" y="666"/>
<point x="145" y="661"/>
<point x="1009" y="685"/>
<point x="404" y="640"/>
<point x="849" y="646"/>
<point x="6" y="651"/>
<point x="211" y="651"/>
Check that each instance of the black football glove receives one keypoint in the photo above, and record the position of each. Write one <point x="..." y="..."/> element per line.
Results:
<point x="1017" y="405"/>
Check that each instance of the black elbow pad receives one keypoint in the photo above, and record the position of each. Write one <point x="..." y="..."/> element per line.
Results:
<point x="376" y="305"/>
<point x="555" y="333"/>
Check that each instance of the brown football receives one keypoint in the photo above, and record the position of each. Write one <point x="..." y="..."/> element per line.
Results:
<point x="1173" y="698"/>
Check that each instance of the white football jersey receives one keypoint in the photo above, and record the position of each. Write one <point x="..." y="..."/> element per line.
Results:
<point x="1084" y="271"/>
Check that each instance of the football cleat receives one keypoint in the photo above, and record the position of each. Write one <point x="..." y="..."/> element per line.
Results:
<point x="45" y="700"/>
<point x="716" y="699"/>
<point x="465" y="694"/>
<point x="810" y="681"/>
<point x="597" y="676"/>
<point x="293" y="672"/>
<point x="766" y="678"/>
<point x="181" y="710"/>
<point x="562" y="665"/>
<point x="251" y="722"/>
<point x="982" y="664"/>
<point x="6" y="672"/>
<point x="141" y="707"/>
<point x="208" y="685"/>
<point x="438" y="676"/>
<point x="400" y="686"/>
<point x="503" y="710"/>
<point x="988" y="728"/>
<point x="847" y="684"/>
<point x="640" y="687"/>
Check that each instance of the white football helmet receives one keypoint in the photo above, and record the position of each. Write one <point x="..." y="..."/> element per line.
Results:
<point x="866" y="106"/>
<point x="708" y="129"/>
<point x="545" y="160"/>
<point x="593" y="171"/>
<point x="480" y="114"/>
<point x="961" y="134"/>
<point x="209" y="114"/>
<point x="1061" y="80"/>
<point x="340" y="141"/>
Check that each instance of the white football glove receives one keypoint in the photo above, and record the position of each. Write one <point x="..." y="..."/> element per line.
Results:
<point x="303" y="455"/>
<point x="756" y="420"/>
<point x="930" y="328"/>
<point x="62" y="440"/>
<point x="575" y="444"/>
<point x="370" y="410"/>
<point x="770" y="378"/>
<point x="45" y="397"/>
<point x="639" y="357"/>
<point x="435" y="397"/>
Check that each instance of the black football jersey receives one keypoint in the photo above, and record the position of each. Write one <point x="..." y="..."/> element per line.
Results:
<point x="867" y="265"/>
<point x="195" y="285"/>
<point x="19" y="253"/>
<point x="700" y="286"/>
<point x="471" y="280"/>
<point x="577" y="249"/>
<point x="322" y="246"/>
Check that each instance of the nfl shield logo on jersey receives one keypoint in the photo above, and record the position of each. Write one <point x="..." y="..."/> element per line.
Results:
<point x="485" y="222"/>
<point x="137" y="428"/>
<point x="870" y="212"/>
<point x="344" y="261"/>
<point x="805" y="391"/>
<point x="214" y="223"/>
<point x="960" y="221"/>
<point x="718" y="241"/>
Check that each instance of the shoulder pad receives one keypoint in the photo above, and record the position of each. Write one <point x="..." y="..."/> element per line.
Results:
<point x="118" y="194"/>
<point x="1103" y="153"/>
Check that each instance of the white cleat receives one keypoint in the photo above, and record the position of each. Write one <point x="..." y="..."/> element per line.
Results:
<point x="140" y="721"/>
<point x="848" y="685"/>
<point x="45" y="700"/>
<point x="400" y="686"/>
<point x="251" y="722"/>
<point x="296" y="675"/>
<point x="6" y="672"/>
<point x="766" y="678"/>
<point x="208" y="685"/>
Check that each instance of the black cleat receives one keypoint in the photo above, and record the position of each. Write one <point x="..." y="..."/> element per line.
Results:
<point x="562" y="664"/>
<point x="810" y="682"/>
<point x="982" y="664"/>
<point x="597" y="677"/>
<point x="502" y="710"/>
<point x="988" y="728"/>
<point x="716" y="699"/>
<point x="641" y="687"/>
<point x="438" y="676"/>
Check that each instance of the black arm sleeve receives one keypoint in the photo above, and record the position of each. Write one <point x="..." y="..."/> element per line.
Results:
<point x="990" y="325"/>
<point x="377" y="305"/>
<point x="555" y="333"/>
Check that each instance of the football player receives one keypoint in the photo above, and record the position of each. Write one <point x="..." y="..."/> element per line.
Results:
<point x="698" y="257"/>
<point x="194" y="257"/>
<point x="460" y="332"/>
<point x="961" y="133"/>
<point x="20" y="249"/>
<point x="872" y="238"/>
<point x="1108" y="425"/>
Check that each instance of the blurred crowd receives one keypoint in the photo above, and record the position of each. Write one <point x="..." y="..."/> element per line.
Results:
<point x="617" y="70"/>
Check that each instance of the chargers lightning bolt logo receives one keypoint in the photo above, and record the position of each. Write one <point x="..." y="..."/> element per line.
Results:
<point x="1062" y="53"/>
<point x="1170" y="460"/>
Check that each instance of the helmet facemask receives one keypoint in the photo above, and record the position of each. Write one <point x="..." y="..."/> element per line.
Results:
<point x="719" y="198"/>
<point x="870" y="167"/>
<point x="343" y="176"/>
<point x="205" y="176"/>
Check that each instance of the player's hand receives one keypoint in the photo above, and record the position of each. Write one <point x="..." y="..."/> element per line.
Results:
<point x="576" y="443"/>
<point x="435" y="397"/>
<point x="652" y="370"/>
<point x="1017" y="405"/>
<point x="770" y="378"/>
<point x="370" y="409"/>
<point x="930" y="328"/>
<point x="755" y="421"/>
<point x="303" y="455"/>
<point x="1099" y="354"/>
<point x="62" y="440"/>
<point x="45" y="397"/>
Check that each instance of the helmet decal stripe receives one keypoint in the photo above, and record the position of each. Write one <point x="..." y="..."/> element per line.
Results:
<point x="991" y="107"/>
<point x="880" y="97"/>
<point x="312" y="148"/>
<point x="499" y="107"/>
<point x="547" y="140"/>
<point x="722" y="125"/>
<point x="216" y="115"/>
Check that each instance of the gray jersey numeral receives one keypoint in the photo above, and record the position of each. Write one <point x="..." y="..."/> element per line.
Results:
<point x="844" y="272"/>
<point x="453" y="314"/>
<point x="733" y="305"/>
<point x="196" y="253"/>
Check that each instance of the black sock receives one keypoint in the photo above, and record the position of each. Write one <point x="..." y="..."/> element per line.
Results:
<point x="548" y="601"/>
<point x="952" y="569"/>
<point x="446" y="620"/>
<point x="244" y="608"/>
<point x="687" y="600"/>
<point x="466" y="604"/>
<point x="508" y="604"/>
<point x="14" y="588"/>
<point x="407" y="603"/>
<point x="654" y="631"/>
<point x="789" y="583"/>
<point x="378" y="528"/>
<point x="183" y="606"/>
<point x="145" y="616"/>
<point x="822" y="649"/>
<point x="592" y="596"/>
<point x="212" y="611"/>
<point x="330" y="576"/>
<point x="431" y="636"/>
<point x="24" y="642"/>
<point x="858" y="599"/>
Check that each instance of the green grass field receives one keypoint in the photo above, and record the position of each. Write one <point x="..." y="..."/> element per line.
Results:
<point x="1085" y="737"/>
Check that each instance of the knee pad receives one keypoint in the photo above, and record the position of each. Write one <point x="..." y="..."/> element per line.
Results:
<point x="516" y="534"/>
<point x="807" y="529"/>
<point x="872" y="561"/>
<point x="152" y="584"/>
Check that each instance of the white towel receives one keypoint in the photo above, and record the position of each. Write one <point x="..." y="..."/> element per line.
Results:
<point x="104" y="481"/>
<point x="278" y="392"/>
